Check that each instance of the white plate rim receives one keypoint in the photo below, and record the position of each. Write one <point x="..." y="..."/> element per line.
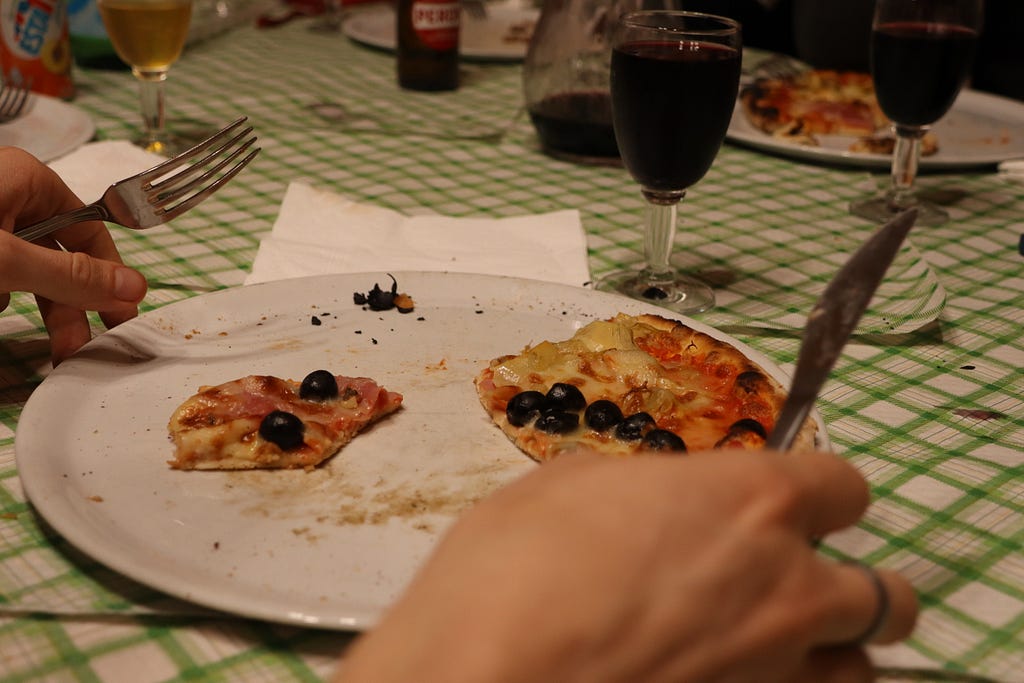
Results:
<point x="374" y="26"/>
<point x="969" y="101"/>
<point x="49" y="129"/>
<point x="64" y="513"/>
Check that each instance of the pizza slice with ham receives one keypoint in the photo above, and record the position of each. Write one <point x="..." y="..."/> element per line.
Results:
<point x="260" y="421"/>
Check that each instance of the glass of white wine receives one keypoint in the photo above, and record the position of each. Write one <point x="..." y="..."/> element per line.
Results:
<point x="149" y="36"/>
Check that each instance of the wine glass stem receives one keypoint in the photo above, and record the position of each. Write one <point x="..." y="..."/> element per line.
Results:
<point x="660" y="232"/>
<point x="151" y="96"/>
<point x="905" y="157"/>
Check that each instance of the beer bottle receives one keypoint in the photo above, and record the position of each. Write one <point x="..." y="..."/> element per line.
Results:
<point x="428" y="44"/>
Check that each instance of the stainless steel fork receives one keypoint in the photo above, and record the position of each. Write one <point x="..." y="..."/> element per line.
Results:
<point x="13" y="99"/>
<point x="153" y="197"/>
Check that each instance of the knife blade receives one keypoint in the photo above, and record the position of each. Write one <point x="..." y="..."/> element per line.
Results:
<point x="832" y="321"/>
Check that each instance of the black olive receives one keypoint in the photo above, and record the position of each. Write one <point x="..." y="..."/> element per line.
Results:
<point x="749" y="425"/>
<point x="557" y="422"/>
<point x="283" y="429"/>
<point x="602" y="414"/>
<point x="664" y="440"/>
<point x="563" y="396"/>
<point x="634" y="427"/>
<point x="523" y="407"/>
<point x="319" y="385"/>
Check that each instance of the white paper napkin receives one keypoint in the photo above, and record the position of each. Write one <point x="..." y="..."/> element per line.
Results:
<point x="318" y="232"/>
<point x="95" y="166"/>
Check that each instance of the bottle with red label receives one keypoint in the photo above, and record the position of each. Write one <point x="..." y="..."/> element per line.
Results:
<point x="428" y="44"/>
<point x="35" y="48"/>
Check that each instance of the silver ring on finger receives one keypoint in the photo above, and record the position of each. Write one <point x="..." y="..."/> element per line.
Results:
<point x="883" y="604"/>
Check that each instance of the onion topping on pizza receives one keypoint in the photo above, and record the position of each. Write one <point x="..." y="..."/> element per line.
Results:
<point x="267" y="422"/>
<point x="632" y="384"/>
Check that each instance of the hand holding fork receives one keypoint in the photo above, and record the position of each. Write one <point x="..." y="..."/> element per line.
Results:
<point x="153" y="197"/>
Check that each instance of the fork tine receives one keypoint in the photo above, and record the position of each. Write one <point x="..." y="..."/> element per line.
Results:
<point x="160" y="199"/>
<point x="195" y="199"/>
<point x="12" y="99"/>
<point x="166" y="185"/>
<point x="186" y="157"/>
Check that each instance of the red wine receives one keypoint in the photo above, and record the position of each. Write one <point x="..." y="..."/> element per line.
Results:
<point x="672" y="106"/>
<point x="579" y="123"/>
<point x="918" y="69"/>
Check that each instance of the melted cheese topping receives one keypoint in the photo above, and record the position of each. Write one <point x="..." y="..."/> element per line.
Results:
<point x="605" y="362"/>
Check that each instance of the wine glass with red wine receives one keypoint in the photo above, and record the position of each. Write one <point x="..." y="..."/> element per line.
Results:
<point x="921" y="55"/>
<point x="674" y="79"/>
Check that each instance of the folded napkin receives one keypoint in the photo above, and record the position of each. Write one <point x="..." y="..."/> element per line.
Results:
<point x="95" y="166"/>
<point x="318" y="232"/>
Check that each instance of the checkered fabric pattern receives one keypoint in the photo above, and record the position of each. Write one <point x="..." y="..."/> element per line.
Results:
<point x="926" y="400"/>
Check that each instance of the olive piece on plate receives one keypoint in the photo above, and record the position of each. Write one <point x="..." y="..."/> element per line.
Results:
<point x="557" y="422"/>
<point x="664" y="440"/>
<point x="283" y="429"/>
<point x="602" y="415"/>
<point x="319" y="385"/>
<point x="562" y="396"/>
<point x="523" y="407"/>
<point x="634" y="427"/>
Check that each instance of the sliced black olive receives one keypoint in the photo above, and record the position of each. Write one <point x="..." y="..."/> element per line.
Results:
<point x="664" y="440"/>
<point x="744" y="433"/>
<point x="557" y="422"/>
<point x="523" y="407"/>
<point x="283" y="429"/>
<point x="602" y="414"/>
<point x="634" y="427"/>
<point x="749" y="425"/>
<point x="563" y="396"/>
<point x="319" y="385"/>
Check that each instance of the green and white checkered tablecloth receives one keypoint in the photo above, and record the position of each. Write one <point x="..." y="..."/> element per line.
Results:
<point x="927" y="400"/>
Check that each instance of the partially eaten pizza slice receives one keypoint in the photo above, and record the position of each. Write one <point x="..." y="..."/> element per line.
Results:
<point x="629" y="385"/>
<point x="260" y="421"/>
<point x="814" y="102"/>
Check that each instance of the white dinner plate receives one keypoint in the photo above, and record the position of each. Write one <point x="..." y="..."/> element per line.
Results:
<point x="330" y="548"/>
<point x="502" y="35"/>
<point x="980" y="130"/>
<point x="49" y="128"/>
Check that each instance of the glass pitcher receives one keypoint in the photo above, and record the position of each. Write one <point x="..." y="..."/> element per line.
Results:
<point x="565" y="79"/>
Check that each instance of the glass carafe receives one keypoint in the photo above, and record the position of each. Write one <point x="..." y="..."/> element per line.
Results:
<point x="565" y="79"/>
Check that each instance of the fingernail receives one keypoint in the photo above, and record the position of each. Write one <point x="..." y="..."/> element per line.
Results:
<point x="129" y="285"/>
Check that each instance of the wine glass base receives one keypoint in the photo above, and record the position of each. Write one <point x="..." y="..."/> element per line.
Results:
<point x="676" y="292"/>
<point x="881" y="209"/>
<point x="172" y="144"/>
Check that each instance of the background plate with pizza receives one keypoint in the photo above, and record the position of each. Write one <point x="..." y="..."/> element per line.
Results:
<point x="980" y="130"/>
<point x="328" y="548"/>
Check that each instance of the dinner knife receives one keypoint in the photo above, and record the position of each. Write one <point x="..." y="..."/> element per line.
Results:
<point x="832" y="321"/>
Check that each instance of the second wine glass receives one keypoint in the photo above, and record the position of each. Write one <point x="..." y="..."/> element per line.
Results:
<point x="921" y="55"/>
<point x="149" y="36"/>
<point x="674" y="79"/>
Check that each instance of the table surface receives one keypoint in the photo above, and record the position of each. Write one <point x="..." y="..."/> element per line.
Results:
<point x="926" y="400"/>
